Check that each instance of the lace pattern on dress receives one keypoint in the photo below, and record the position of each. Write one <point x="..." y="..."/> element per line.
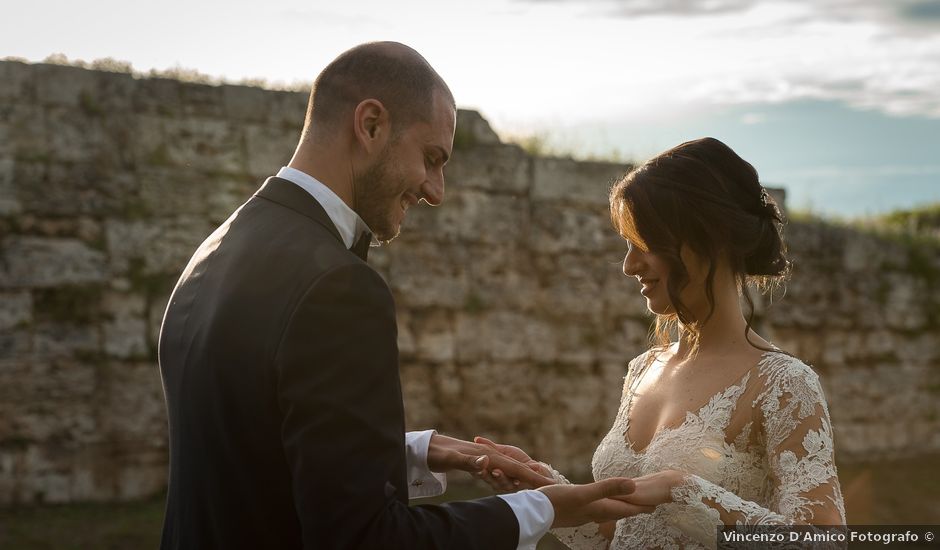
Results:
<point x="784" y="478"/>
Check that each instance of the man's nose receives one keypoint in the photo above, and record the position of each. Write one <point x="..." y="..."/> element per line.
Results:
<point x="433" y="190"/>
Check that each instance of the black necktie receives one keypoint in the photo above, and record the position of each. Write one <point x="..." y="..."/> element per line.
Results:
<point x="361" y="248"/>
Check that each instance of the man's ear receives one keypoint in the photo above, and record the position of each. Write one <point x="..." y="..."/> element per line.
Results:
<point x="372" y="126"/>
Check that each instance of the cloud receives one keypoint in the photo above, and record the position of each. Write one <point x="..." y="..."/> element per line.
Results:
<point x="869" y="54"/>
<point x="751" y="119"/>
<point x="323" y="17"/>
<point x="640" y="8"/>
<point x="921" y="11"/>
<point x="903" y="11"/>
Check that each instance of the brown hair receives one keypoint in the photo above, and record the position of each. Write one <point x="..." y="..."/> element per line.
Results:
<point x="701" y="195"/>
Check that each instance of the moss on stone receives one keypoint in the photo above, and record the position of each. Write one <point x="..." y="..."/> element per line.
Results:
<point x="473" y="303"/>
<point x="159" y="156"/>
<point x="89" y="105"/>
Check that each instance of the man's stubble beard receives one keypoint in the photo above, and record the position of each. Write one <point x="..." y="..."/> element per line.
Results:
<point x="377" y="192"/>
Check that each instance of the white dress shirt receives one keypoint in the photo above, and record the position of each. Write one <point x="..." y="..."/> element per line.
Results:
<point x="533" y="510"/>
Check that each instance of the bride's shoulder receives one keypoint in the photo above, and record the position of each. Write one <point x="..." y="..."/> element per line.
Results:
<point x="780" y="362"/>
<point x="644" y="359"/>
<point x="781" y="371"/>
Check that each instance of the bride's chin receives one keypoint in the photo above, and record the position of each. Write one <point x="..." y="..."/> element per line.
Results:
<point x="659" y="309"/>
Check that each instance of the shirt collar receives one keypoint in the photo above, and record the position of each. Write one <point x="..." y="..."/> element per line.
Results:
<point x="347" y="222"/>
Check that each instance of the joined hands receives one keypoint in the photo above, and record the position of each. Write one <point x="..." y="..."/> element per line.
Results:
<point x="508" y="468"/>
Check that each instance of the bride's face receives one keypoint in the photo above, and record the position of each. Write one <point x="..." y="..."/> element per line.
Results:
<point x="652" y="271"/>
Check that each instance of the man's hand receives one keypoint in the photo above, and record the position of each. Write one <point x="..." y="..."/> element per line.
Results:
<point x="446" y="453"/>
<point x="593" y="502"/>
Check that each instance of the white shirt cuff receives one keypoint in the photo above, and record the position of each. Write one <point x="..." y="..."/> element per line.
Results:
<point x="422" y="482"/>
<point x="535" y="514"/>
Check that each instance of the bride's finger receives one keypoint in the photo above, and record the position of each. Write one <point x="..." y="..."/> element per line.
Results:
<point x="484" y="441"/>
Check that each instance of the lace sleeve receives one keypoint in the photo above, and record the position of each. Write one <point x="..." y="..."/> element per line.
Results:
<point x="584" y="537"/>
<point x="797" y="435"/>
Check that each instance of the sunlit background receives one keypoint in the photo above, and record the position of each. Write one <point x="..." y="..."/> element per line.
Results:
<point x="838" y="101"/>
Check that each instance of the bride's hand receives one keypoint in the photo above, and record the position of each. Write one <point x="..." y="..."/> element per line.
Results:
<point x="497" y="479"/>
<point x="654" y="489"/>
<point x="482" y="459"/>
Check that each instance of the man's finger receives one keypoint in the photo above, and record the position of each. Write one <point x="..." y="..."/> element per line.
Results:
<point x="473" y="464"/>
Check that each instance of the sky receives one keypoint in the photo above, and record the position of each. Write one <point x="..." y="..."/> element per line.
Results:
<point x="837" y="101"/>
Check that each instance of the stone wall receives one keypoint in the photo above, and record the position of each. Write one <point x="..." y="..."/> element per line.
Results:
<point x="515" y="319"/>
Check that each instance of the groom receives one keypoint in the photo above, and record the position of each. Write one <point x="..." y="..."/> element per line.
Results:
<point x="279" y="357"/>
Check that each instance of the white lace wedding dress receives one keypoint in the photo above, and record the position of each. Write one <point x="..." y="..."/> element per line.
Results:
<point x="758" y="452"/>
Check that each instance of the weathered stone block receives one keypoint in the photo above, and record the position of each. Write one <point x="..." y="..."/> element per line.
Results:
<point x="153" y="247"/>
<point x="419" y="278"/>
<point x="571" y="181"/>
<point x="406" y="339"/>
<point x="16" y="81"/>
<point x="572" y="286"/>
<point x="202" y="100"/>
<point x="473" y="130"/>
<point x="162" y="96"/>
<point x="204" y="144"/>
<point x="245" y="103"/>
<point x="560" y="227"/>
<point x="421" y="410"/>
<point x="501" y="275"/>
<point x="148" y="145"/>
<point x="623" y="339"/>
<point x="434" y="336"/>
<point x="64" y="85"/>
<point x="62" y="340"/>
<point x="504" y="336"/>
<point x="133" y="386"/>
<point x="9" y="204"/>
<point x="25" y="132"/>
<point x="31" y="262"/>
<point x="15" y="344"/>
<point x="115" y="94"/>
<point x="506" y="399"/>
<point x="125" y="333"/>
<point x="471" y="216"/>
<point x="78" y="137"/>
<point x="268" y="148"/>
<point x="498" y="168"/>
<point x="16" y="309"/>
<point x="75" y="189"/>
<point x="286" y="110"/>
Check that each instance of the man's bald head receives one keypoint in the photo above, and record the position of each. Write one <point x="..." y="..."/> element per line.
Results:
<point x="390" y="72"/>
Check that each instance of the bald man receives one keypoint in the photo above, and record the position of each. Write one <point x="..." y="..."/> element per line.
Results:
<point x="279" y="357"/>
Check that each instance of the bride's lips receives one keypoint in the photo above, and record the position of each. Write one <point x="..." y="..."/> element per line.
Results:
<point x="648" y="286"/>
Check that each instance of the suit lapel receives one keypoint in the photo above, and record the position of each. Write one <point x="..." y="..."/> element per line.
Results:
<point x="294" y="197"/>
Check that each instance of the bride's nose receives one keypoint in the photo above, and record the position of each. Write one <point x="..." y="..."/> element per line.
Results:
<point x="632" y="262"/>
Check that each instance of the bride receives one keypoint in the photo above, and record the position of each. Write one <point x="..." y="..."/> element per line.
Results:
<point x="719" y="427"/>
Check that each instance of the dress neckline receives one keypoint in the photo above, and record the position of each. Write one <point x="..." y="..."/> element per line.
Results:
<point x="685" y="419"/>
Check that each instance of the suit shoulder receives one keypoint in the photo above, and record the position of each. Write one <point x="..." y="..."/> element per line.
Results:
<point x="350" y="280"/>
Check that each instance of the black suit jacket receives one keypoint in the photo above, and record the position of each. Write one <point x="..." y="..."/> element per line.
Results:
<point x="279" y="359"/>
